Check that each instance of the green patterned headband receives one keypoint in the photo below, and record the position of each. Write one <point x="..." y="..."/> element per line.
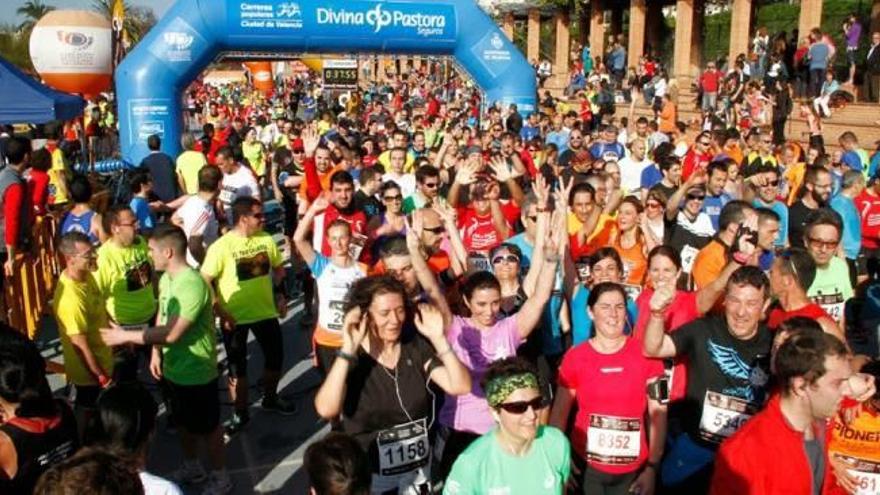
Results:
<point x="500" y="388"/>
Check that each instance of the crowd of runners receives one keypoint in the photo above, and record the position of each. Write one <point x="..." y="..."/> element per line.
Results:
<point x="498" y="304"/>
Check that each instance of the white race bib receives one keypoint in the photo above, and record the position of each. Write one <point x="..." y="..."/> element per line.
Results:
<point x="612" y="440"/>
<point x="866" y="473"/>
<point x="723" y="415"/>
<point x="403" y="448"/>
<point x="358" y="241"/>
<point x="330" y="316"/>
<point x="833" y="304"/>
<point x="688" y="255"/>
<point x="478" y="261"/>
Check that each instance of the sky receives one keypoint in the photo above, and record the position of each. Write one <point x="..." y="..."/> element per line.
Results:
<point x="8" y="7"/>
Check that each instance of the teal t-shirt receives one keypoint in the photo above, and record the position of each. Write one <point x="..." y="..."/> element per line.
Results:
<point x="192" y="360"/>
<point x="831" y="288"/>
<point x="484" y="467"/>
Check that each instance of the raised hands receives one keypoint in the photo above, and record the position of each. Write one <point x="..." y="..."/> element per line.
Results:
<point x="429" y="321"/>
<point x="311" y="140"/>
<point x="542" y="191"/>
<point x="501" y="169"/>
<point x="662" y="299"/>
<point x="467" y="173"/>
<point x="354" y="330"/>
<point x="562" y="193"/>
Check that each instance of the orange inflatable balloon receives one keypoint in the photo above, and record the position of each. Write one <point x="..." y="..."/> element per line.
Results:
<point x="261" y="75"/>
<point x="71" y="50"/>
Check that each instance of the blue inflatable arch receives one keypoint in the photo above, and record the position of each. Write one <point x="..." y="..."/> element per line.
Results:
<point x="150" y="80"/>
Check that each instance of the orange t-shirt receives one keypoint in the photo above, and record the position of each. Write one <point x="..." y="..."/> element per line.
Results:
<point x="709" y="263"/>
<point x="635" y="264"/>
<point x="324" y="178"/>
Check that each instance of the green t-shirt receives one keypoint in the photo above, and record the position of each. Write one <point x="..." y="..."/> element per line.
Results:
<point x="254" y="154"/>
<point x="189" y="163"/>
<point x="125" y="279"/>
<point x="192" y="360"/>
<point x="831" y="288"/>
<point x="78" y="310"/>
<point x="242" y="267"/>
<point x="484" y="467"/>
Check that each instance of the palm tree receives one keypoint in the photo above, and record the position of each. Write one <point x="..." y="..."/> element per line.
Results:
<point x="138" y="20"/>
<point x="33" y="11"/>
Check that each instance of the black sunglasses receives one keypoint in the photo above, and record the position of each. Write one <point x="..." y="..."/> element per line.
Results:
<point x="696" y="196"/>
<point x="435" y="230"/>
<point x="393" y="198"/>
<point x="521" y="407"/>
<point x="430" y="185"/>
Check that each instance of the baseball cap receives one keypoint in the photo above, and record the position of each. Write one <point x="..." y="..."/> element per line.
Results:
<point x="297" y="145"/>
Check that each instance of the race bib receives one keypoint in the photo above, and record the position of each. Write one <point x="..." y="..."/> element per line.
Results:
<point x="723" y="415"/>
<point x="358" y="241"/>
<point x="403" y="448"/>
<point x="833" y="304"/>
<point x="688" y="255"/>
<point x="866" y="473"/>
<point x="612" y="440"/>
<point x="583" y="269"/>
<point x="478" y="261"/>
<point x="227" y="196"/>
<point x="331" y="316"/>
<point x="632" y="291"/>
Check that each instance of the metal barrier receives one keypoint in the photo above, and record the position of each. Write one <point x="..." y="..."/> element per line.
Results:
<point x="26" y="294"/>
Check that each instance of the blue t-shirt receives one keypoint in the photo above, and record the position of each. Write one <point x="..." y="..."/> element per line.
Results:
<point x="528" y="132"/>
<point x="854" y="160"/>
<point x="551" y="326"/>
<point x="875" y="162"/>
<point x="781" y="210"/>
<point x="582" y="323"/>
<point x="559" y="138"/>
<point x="852" y="225"/>
<point x="819" y="56"/>
<point x="651" y="176"/>
<point x="607" y="151"/>
<point x="141" y="209"/>
<point x="712" y="206"/>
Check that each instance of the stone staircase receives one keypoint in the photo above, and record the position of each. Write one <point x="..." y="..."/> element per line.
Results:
<point x="857" y="117"/>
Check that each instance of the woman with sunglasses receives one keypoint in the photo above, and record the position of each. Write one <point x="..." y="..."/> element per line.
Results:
<point x="654" y="213"/>
<point x="608" y="377"/>
<point x="506" y="267"/>
<point x="487" y="335"/>
<point x="392" y="221"/>
<point x="518" y="455"/>
<point x="379" y="381"/>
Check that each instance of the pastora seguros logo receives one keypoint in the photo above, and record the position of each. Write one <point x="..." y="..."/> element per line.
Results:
<point x="75" y="39"/>
<point x="378" y="18"/>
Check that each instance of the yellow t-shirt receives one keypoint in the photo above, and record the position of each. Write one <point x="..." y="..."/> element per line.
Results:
<point x="242" y="268"/>
<point x="57" y="176"/>
<point x="189" y="163"/>
<point x="385" y="160"/>
<point x="125" y="279"/>
<point x="254" y="154"/>
<point x="79" y="311"/>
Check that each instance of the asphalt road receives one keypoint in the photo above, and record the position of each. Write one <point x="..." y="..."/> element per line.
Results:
<point x="267" y="456"/>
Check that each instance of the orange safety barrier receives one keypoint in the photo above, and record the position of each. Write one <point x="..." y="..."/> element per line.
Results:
<point x="27" y="293"/>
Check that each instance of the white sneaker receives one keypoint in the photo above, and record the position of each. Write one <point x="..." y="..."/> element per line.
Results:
<point x="218" y="484"/>
<point x="190" y="473"/>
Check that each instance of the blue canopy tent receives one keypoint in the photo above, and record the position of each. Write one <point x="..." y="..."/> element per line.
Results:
<point x="23" y="100"/>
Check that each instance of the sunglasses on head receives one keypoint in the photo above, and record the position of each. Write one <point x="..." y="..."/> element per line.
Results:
<point x="510" y="258"/>
<point x="520" y="407"/>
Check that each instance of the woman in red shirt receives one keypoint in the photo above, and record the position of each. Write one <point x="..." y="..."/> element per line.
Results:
<point x="608" y="376"/>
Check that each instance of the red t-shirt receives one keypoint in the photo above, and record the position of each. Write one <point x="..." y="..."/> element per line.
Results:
<point x="478" y="232"/>
<point x="692" y="160"/>
<point x="778" y="315"/>
<point x="869" y="211"/>
<point x="709" y="81"/>
<point x="358" y="222"/>
<point x="38" y="185"/>
<point x="682" y="310"/>
<point x="609" y="428"/>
